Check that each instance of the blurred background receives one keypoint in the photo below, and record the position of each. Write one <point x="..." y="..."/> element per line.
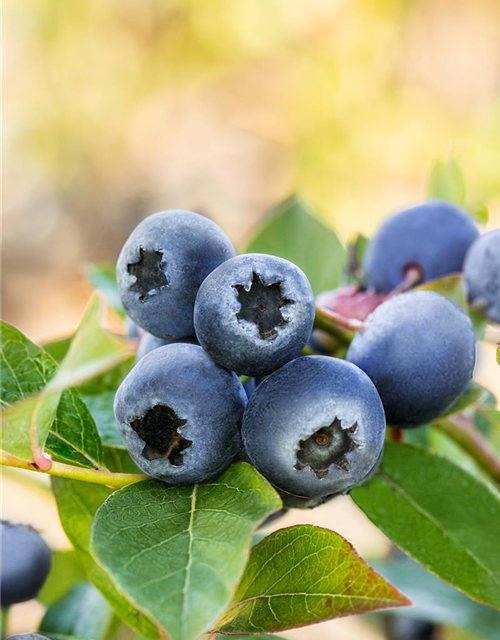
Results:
<point x="115" y="109"/>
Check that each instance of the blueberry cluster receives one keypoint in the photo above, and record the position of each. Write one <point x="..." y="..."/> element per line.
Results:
<point x="220" y="372"/>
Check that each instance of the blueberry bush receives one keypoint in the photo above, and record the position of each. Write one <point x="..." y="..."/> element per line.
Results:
<point x="233" y="388"/>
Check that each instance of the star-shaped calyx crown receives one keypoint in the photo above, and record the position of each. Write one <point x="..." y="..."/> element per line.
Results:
<point x="159" y="428"/>
<point x="262" y="304"/>
<point x="325" y="447"/>
<point x="148" y="272"/>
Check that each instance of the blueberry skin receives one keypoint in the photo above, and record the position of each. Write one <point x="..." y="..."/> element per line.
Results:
<point x="178" y="249"/>
<point x="26" y="562"/>
<point x="149" y="343"/>
<point x="297" y="401"/>
<point x="434" y="236"/>
<point x="419" y="350"/>
<point x="482" y="274"/>
<point x="238" y="343"/>
<point x="207" y="399"/>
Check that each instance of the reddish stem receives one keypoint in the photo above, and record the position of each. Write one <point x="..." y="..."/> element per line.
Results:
<point x="412" y="277"/>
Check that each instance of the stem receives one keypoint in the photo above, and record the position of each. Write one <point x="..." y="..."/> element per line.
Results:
<point x="95" y="476"/>
<point x="412" y="276"/>
<point x="5" y="622"/>
<point x="395" y="434"/>
<point x="337" y="324"/>
<point x="464" y="432"/>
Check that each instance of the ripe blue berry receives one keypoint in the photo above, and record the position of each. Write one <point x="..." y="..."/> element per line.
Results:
<point x="162" y="265"/>
<point x="482" y="274"/>
<point x="149" y="343"/>
<point x="419" y="350"/>
<point x="179" y="414"/>
<point x="25" y="563"/>
<point x="314" y="428"/>
<point x="433" y="237"/>
<point x="254" y="313"/>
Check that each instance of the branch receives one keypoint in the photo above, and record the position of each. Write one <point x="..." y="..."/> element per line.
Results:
<point x="463" y="431"/>
<point x="95" y="476"/>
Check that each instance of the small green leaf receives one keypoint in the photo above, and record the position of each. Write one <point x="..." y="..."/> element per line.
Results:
<point x="498" y="356"/>
<point x="446" y="182"/>
<point x="437" y="602"/>
<point x="99" y="395"/>
<point x="180" y="551"/>
<point x="57" y="348"/>
<point x="473" y="397"/>
<point x="77" y="503"/>
<point x="73" y="436"/>
<point x="291" y="232"/>
<point x="65" y="571"/>
<point x="92" y="352"/>
<point x="302" y="575"/>
<point x="25" y="367"/>
<point x="440" y="515"/>
<point x="61" y="423"/>
<point x="83" y="613"/>
<point x="479" y="212"/>
<point x="102" y="276"/>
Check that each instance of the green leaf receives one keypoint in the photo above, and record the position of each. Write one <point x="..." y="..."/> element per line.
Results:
<point x="437" y="602"/>
<point x="73" y="436"/>
<point x="102" y="276"/>
<point x="498" y="356"/>
<point x="77" y="503"/>
<point x="473" y="397"/>
<point x="440" y="515"/>
<point x="92" y="352"/>
<point x="302" y="575"/>
<point x="179" y="551"/>
<point x="119" y="460"/>
<point x="27" y="370"/>
<point x="57" y="348"/>
<point x="291" y="232"/>
<point x="479" y="212"/>
<point x="259" y="637"/>
<point x="446" y="182"/>
<point x="65" y="571"/>
<point x="83" y="613"/>
<point x="99" y="395"/>
<point x="487" y="420"/>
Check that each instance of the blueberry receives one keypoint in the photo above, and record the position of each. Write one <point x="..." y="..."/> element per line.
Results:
<point x="434" y="237"/>
<point x="25" y="563"/>
<point x="149" y="343"/>
<point x="179" y="414"/>
<point x="162" y="265"/>
<point x="401" y="628"/>
<point x="482" y="274"/>
<point x="314" y="428"/>
<point x="254" y="313"/>
<point x="419" y="350"/>
<point x="250" y="386"/>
